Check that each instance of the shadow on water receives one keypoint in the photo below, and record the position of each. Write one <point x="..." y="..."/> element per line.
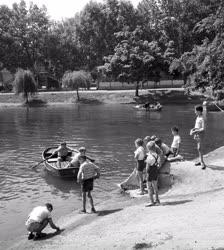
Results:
<point x="107" y="212"/>
<point x="65" y="186"/>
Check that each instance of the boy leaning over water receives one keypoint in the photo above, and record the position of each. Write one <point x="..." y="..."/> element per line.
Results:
<point x="86" y="175"/>
<point x="198" y="133"/>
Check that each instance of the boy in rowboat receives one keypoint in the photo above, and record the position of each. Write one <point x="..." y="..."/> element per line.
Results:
<point x="62" y="152"/>
<point x="74" y="163"/>
<point x="86" y="175"/>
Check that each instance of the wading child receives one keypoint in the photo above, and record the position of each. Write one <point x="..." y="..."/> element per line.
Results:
<point x="152" y="173"/>
<point x="139" y="156"/>
<point x="86" y="175"/>
<point x="175" y="146"/>
<point x="198" y="133"/>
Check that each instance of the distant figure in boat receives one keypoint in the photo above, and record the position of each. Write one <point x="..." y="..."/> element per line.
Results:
<point x="74" y="163"/>
<point x="38" y="219"/>
<point x="155" y="106"/>
<point x="198" y="133"/>
<point x="63" y="152"/>
<point x="146" y="105"/>
<point x="86" y="175"/>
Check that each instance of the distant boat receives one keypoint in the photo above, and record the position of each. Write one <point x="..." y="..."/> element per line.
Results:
<point x="52" y="166"/>
<point x="141" y="107"/>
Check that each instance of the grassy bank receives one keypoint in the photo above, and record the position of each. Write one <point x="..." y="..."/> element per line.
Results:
<point x="105" y="96"/>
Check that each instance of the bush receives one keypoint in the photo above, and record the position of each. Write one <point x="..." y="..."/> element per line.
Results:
<point x="75" y="80"/>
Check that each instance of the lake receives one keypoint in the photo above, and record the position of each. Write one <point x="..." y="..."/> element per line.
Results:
<point x="107" y="131"/>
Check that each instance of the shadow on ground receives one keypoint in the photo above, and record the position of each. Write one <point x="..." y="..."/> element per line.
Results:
<point x="50" y="235"/>
<point x="173" y="203"/>
<point x="107" y="212"/>
<point x="142" y="246"/>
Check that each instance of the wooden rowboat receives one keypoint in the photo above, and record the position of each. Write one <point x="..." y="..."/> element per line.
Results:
<point x="53" y="168"/>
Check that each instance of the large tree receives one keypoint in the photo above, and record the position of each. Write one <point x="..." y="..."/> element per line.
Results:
<point x="135" y="59"/>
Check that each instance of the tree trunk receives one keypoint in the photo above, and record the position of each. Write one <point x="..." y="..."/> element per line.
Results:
<point x="136" y="88"/>
<point x="77" y="92"/>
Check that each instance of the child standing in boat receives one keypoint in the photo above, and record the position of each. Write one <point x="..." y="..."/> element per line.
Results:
<point x="139" y="156"/>
<point x="86" y="175"/>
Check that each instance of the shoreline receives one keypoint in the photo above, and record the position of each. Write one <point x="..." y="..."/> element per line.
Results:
<point x="165" y="96"/>
<point x="183" y="221"/>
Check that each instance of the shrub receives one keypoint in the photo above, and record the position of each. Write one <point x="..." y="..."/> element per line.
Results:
<point x="25" y="84"/>
<point x="75" y="80"/>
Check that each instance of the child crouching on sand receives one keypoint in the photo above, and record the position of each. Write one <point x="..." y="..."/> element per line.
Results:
<point x="86" y="175"/>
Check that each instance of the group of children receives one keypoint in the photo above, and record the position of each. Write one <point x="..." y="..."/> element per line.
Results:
<point x="152" y="152"/>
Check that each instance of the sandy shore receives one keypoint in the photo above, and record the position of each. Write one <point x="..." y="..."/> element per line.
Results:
<point x="190" y="216"/>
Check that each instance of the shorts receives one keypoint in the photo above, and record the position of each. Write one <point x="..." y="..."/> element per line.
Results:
<point x="152" y="174"/>
<point x="140" y="165"/>
<point x="87" y="185"/>
<point x="33" y="226"/>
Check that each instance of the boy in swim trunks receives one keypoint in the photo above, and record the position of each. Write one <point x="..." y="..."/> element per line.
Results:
<point x="198" y="133"/>
<point x="152" y="173"/>
<point x="139" y="156"/>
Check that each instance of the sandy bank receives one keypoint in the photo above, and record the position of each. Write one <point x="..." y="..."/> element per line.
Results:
<point x="190" y="217"/>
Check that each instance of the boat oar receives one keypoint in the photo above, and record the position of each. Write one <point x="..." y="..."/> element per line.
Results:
<point x="42" y="161"/>
<point x="38" y="164"/>
<point x="219" y="108"/>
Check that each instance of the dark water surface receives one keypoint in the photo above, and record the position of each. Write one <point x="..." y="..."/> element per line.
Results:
<point x="108" y="133"/>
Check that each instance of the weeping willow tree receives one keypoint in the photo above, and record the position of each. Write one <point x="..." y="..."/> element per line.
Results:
<point x="75" y="80"/>
<point x="25" y="84"/>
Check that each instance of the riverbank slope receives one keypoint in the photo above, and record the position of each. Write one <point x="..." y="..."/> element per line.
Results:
<point x="190" y="217"/>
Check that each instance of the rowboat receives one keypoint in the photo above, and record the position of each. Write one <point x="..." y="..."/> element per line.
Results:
<point x="141" y="107"/>
<point x="52" y="166"/>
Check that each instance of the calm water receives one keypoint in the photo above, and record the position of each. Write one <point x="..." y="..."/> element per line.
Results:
<point x="108" y="133"/>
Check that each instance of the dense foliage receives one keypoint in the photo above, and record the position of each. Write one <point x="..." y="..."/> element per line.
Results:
<point x="179" y="37"/>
